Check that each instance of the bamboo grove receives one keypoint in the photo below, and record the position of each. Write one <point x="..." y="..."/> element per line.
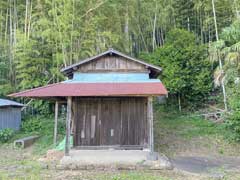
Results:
<point x="38" y="37"/>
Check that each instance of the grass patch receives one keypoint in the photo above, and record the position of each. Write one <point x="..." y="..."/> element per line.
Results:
<point x="187" y="132"/>
<point x="187" y="125"/>
<point x="43" y="127"/>
<point x="131" y="176"/>
<point x="25" y="169"/>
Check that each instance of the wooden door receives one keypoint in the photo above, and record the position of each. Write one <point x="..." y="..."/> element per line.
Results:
<point x="86" y="122"/>
<point x="110" y="122"/>
<point x="110" y="128"/>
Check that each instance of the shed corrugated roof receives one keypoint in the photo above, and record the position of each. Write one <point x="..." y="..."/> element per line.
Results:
<point x="95" y="89"/>
<point x="6" y="102"/>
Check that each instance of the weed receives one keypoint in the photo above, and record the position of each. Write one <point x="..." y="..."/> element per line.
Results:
<point x="6" y="134"/>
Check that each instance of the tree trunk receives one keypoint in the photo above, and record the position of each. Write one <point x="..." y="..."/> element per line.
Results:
<point x="188" y="24"/>
<point x="1" y="28"/>
<point x="26" y="18"/>
<point x="215" y="19"/>
<point x="15" y="23"/>
<point x="126" y="29"/>
<point x="154" y="30"/>
<point x="6" y="24"/>
<point x="179" y="102"/>
<point x="219" y="58"/>
<point x="162" y="36"/>
<point x="10" y="43"/>
<point x="236" y="9"/>
<point x="29" y="21"/>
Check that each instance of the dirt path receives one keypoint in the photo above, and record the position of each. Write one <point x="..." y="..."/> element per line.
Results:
<point x="22" y="164"/>
<point x="210" y="166"/>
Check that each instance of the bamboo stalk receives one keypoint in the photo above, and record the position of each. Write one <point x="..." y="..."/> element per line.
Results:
<point x="219" y="58"/>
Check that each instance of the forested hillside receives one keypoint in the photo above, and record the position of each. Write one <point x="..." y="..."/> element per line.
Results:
<point x="195" y="41"/>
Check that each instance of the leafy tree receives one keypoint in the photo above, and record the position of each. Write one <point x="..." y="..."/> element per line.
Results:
<point x="5" y="85"/>
<point x="39" y="37"/>
<point x="186" y="69"/>
<point x="33" y="66"/>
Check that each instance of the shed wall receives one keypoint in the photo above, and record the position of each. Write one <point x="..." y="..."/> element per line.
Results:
<point x="112" y="64"/>
<point x="10" y="117"/>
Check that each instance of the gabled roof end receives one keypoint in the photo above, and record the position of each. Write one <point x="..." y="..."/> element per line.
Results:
<point x="110" y="51"/>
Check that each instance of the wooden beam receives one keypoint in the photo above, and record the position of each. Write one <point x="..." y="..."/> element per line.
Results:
<point x="116" y="147"/>
<point x="150" y="123"/>
<point x="55" y="123"/>
<point x="68" y="128"/>
<point x="114" y="70"/>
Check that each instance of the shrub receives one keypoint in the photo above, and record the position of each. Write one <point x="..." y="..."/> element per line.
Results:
<point x="187" y="70"/>
<point x="233" y="122"/>
<point x="6" y="134"/>
<point x="32" y="125"/>
<point x="233" y="118"/>
<point x="43" y="125"/>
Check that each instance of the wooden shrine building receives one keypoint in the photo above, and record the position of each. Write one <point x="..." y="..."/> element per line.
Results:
<point x="109" y="101"/>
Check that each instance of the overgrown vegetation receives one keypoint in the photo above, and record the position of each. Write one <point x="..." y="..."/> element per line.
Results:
<point x="177" y="133"/>
<point x="233" y="117"/>
<point x="228" y="50"/>
<point x="43" y="126"/>
<point x="187" y="71"/>
<point x="6" y="134"/>
<point x="33" y="124"/>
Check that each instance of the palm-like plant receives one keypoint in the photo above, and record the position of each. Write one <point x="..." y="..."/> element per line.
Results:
<point x="227" y="52"/>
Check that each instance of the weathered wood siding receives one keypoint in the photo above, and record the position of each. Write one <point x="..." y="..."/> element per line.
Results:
<point x="112" y="63"/>
<point x="10" y="117"/>
<point x="110" y="121"/>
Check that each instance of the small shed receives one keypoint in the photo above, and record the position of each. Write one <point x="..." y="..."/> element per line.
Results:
<point x="109" y="102"/>
<point x="10" y="114"/>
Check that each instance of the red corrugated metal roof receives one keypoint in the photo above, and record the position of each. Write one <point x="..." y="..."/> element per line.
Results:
<point x="95" y="89"/>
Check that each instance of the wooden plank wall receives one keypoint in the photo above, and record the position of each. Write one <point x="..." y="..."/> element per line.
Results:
<point x="112" y="63"/>
<point x="115" y="121"/>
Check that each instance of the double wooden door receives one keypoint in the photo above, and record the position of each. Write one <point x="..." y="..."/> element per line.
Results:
<point x="120" y="121"/>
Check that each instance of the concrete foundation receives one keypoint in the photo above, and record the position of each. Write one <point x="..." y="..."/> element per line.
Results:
<point x="105" y="157"/>
<point x="79" y="159"/>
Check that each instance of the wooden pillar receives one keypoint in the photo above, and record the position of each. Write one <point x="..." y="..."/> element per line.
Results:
<point x="68" y="128"/>
<point x="150" y="123"/>
<point x="55" y="124"/>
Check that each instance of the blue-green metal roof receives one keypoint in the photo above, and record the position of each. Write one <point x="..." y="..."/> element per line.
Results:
<point x="6" y="102"/>
<point x="111" y="78"/>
